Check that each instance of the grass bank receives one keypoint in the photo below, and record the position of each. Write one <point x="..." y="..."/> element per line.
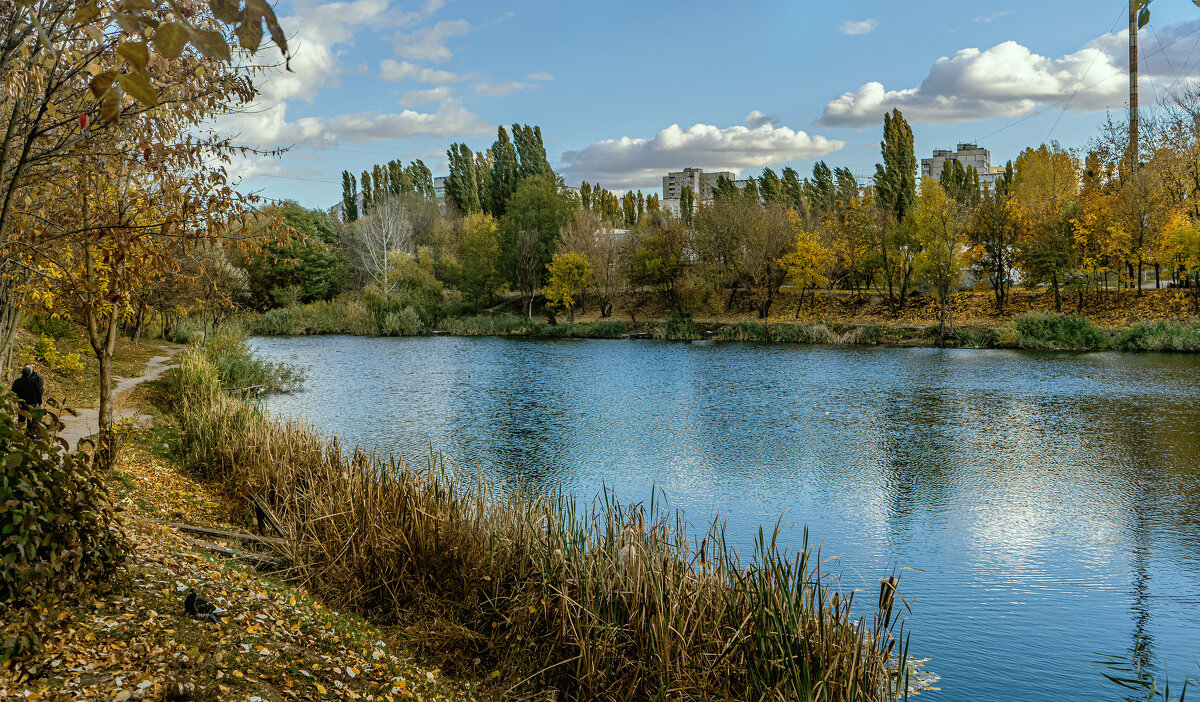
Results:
<point x="1029" y="329"/>
<point x="606" y="601"/>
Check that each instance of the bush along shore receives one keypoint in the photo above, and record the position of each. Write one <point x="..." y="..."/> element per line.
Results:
<point x="611" y="601"/>
<point x="1031" y="330"/>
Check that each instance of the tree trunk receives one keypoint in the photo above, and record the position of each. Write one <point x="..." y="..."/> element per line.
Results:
<point x="1057" y="298"/>
<point x="1157" y="281"/>
<point x="102" y="333"/>
<point x="10" y="321"/>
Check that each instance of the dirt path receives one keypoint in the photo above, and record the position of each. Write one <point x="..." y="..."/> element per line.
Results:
<point x="88" y="421"/>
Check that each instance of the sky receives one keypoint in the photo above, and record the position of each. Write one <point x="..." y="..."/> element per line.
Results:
<point x="626" y="91"/>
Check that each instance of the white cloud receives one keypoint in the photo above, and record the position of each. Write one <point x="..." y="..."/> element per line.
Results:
<point x="397" y="71"/>
<point x="857" y="27"/>
<point x="540" y="75"/>
<point x="641" y="162"/>
<point x="501" y="88"/>
<point x="758" y="118"/>
<point x="429" y="43"/>
<point x="450" y="120"/>
<point x="421" y="97"/>
<point x="988" y="19"/>
<point x="1009" y="80"/>
<point x="317" y="29"/>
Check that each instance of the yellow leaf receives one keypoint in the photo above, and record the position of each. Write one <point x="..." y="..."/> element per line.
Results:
<point x="320" y="688"/>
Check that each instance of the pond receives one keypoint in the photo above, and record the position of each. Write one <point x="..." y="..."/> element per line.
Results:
<point x="1051" y="501"/>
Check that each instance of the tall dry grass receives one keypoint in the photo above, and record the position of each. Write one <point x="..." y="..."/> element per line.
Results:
<point x="606" y="601"/>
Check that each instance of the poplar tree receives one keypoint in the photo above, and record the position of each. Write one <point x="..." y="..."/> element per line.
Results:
<point x="770" y="187"/>
<point x="483" y="166"/>
<point x="504" y="175"/>
<point x="585" y="195"/>
<point x="462" y="190"/>
<point x="629" y="209"/>
<point x="751" y="190"/>
<point x="421" y="178"/>
<point x="349" y="197"/>
<point x="395" y="175"/>
<point x="378" y="183"/>
<point x="793" y="190"/>
<point x="821" y="189"/>
<point x="896" y="177"/>
<point x="367" y="203"/>
<point x="531" y="152"/>
<point x="724" y="188"/>
<point x="687" y="204"/>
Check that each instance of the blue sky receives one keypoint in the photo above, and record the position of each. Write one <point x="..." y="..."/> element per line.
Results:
<point x="624" y="91"/>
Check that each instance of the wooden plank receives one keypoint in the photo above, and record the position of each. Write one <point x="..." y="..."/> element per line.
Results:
<point x="265" y="517"/>
<point x="257" y="559"/>
<point x="227" y="535"/>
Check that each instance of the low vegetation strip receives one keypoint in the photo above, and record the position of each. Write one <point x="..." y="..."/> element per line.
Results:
<point x="611" y="601"/>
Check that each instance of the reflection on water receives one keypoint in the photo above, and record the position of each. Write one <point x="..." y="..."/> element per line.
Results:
<point x="1050" y="500"/>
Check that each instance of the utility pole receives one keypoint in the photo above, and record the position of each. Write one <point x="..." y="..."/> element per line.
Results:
<point x="1134" y="6"/>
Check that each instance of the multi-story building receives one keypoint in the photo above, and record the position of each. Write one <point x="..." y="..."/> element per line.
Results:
<point x="701" y="183"/>
<point x="966" y="154"/>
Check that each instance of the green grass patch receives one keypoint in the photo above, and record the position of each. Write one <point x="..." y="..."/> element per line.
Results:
<point x="1160" y="335"/>
<point x="1050" y="330"/>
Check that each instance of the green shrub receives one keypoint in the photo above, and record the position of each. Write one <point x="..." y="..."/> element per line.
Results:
<point x="45" y="351"/>
<point x="69" y="365"/>
<point x="1160" y="335"/>
<point x="744" y="330"/>
<point x="1050" y="330"/>
<point x="972" y="338"/>
<point x="678" y="326"/>
<point x="346" y="315"/>
<point x="53" y="326"/>
<point x="239" y="368"/>
<point x="59" y="536"/>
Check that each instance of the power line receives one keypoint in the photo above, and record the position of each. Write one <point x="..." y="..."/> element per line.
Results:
<point x="1082" y="78"/>
<point x="1052" y="105"/>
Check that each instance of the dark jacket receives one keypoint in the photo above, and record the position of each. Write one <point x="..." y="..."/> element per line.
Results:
<point x="29" y="389"/>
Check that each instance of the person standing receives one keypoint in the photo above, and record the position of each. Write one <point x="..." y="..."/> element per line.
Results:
<point x="29" y="388"/>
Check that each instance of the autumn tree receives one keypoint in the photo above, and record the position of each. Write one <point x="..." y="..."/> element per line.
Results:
<point x="660" y="260"/>
<point x="1045" y="189"/>
<point x="543" y="206"/>
<point x="567" y="275"/>
<point x="940" y="228"/>
<point x="480" y="274"/>
<point x="72" y="71"/>
<point x="807" y="263"/>
<point x="591" y="235"/>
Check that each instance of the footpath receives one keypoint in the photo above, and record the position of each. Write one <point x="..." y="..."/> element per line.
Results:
<point x="87" y="421"/>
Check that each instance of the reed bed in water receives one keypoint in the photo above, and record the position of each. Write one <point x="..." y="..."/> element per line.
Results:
<point x="612" y="601"/>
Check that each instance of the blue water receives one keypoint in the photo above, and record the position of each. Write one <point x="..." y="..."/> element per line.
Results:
<point x="1050" y="501"/>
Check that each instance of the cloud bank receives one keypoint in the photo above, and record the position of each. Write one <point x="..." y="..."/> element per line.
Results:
<point x="631" y="162"/>
<point x="1010" y="80"/>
